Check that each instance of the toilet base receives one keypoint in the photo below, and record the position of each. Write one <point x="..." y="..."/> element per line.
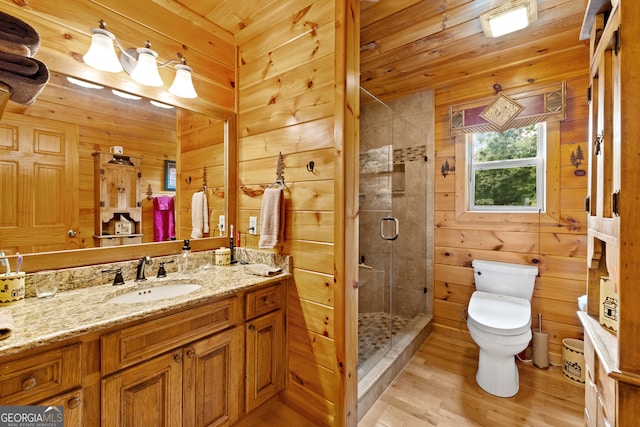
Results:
<point x="498" y="374"/>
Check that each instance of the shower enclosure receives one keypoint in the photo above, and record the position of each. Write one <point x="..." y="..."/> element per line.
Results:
<point x="394" y="297"/>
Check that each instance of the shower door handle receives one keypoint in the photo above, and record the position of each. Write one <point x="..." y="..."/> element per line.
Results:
<point x="396" y="229"/>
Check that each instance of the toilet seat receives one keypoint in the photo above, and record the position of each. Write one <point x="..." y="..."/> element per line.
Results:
<point x="499" y="314"/>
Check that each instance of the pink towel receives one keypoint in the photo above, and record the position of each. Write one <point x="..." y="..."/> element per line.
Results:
<point x="164" y="226"/>
<point x="271" y="218"/>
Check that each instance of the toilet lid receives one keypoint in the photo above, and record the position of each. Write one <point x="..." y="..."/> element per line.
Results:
<point x="499" y="314"/>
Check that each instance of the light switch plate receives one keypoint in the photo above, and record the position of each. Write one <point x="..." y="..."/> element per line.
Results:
<point x="253" y="225"/>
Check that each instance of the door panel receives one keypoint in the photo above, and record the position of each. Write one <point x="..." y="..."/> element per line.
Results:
<point x="42" y="157"/>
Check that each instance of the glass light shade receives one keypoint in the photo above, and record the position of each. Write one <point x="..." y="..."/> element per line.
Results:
<point x="102" y="54"/>
<point x="509" y="22"/>
<point x="183" y="85"/>
<point x="146" y="70"/>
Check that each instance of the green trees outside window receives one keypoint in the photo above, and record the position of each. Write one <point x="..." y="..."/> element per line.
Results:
<point x="507" y="169"/>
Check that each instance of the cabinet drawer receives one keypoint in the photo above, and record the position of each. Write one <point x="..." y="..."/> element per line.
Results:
<point x="264" y="300"/>
<point x="141" y="342"/>
<point x="39" y="377"/>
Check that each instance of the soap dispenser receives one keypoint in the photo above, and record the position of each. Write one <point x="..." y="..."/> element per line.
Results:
<point x="185" y="258"/>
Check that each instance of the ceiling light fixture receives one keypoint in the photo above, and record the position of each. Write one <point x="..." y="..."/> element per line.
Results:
<point x="141" y="63"/>
<point x="513" y="16"/>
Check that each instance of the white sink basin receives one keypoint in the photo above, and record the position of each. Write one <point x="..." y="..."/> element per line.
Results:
<point x="154" y="294"/>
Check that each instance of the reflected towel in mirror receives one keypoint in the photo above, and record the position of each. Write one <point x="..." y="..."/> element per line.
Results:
<point x="199" y="215"/>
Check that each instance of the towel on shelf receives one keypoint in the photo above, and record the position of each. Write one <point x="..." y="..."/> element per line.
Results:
<point x="164" y="226"/>
<point x="199" y="215"/>
<point x="17" y="37"/>
<point x="26" y="77"/>
<point x="262" y="269"/>
<point x="6" y="324"/>
<point x="271" y="217"/>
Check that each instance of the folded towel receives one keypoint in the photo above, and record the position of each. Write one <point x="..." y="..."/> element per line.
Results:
<point x="199" y="215"/>
<point x="271" y="218"/>
<point x="26" y="77"/>
<point x="6" y="324"/>
<point x="17" y="37"/>
<point x="262" y="269"/>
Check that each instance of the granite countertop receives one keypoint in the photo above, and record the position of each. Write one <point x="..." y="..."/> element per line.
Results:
<point x="74" y="312"/>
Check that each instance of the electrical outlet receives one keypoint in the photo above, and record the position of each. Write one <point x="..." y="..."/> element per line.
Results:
<point x="221" y="224"/>
<point x="253" y="225"/>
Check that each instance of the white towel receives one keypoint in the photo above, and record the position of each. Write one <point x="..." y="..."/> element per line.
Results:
<point x="262" y="269"/>
<point x="6" y="324"/>
<point x="199" y="215"/>
<point x="271" y="218"/>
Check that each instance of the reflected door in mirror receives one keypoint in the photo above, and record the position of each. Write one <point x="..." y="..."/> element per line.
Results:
<point x="39" y="185"/>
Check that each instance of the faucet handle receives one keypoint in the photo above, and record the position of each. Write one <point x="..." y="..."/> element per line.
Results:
<point x="161" y="271"/>
<point x="118" y="279"/>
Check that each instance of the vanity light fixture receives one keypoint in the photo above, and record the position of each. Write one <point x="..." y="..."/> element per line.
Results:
<point x="141" y="63"/>
<point x="513" y="16"/>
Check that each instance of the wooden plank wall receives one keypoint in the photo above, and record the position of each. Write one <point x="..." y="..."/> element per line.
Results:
<point x="287" y="104"/>
<point x="560" y="247"/>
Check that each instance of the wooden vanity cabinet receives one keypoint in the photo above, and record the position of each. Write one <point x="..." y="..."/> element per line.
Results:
<point x="182" y="369"/>
<point x="118" y="201"/>
<point x="52" y="377"/>
<point x="265" y="343"/>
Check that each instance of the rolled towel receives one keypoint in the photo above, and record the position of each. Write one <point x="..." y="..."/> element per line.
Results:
<point x="262" y="269"/>
<point x="26" y="77"/>
<point x="6" y="324"/>
<point x="17" y="37"/>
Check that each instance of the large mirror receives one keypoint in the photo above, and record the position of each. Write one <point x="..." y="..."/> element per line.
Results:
<point x="50" y="173"/>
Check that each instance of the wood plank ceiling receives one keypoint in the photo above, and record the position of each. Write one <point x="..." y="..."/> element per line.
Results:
<point x="408" y="46"/>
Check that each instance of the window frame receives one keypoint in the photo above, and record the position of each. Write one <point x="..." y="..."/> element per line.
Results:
<point x="551" y="214"/>
<point x="539" y="162"/>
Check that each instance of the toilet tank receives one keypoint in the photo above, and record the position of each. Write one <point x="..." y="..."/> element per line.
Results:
<point x="516" y="280"/>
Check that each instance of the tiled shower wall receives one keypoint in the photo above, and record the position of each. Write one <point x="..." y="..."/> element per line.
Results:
<point x="396" y="168"/>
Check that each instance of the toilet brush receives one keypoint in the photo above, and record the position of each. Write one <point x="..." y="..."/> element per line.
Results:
<point x="540" y="346"/>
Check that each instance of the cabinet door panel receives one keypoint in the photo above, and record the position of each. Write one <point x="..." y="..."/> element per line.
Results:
<point x="211" y="376"/>
<point x="149" y="394"/>
<point x="265" y="358"/>
<point x="72" y="403"/>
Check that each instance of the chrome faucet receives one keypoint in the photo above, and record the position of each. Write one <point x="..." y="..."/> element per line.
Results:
<point x="140" y="270"/>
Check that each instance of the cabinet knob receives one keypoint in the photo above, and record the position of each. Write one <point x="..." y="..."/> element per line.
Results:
<point x="29" y="383"/>
<point x="177" y="358"/>
<point x="190" y="353"/>
<point x="251" y="327"/>
<point x="73" y="403"/>
<point x="72" y="233"/>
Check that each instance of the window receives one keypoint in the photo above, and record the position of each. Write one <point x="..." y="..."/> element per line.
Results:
<point x="507" y="169"/>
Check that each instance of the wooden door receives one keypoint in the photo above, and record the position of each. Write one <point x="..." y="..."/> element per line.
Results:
<point x="42" y="157"/>
<point x="265" y="358"/>
<point x="212" y="380"/>
<point x="145" y="395"/>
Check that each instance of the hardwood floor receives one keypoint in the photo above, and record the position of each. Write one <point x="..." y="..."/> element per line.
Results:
<point x="438" y="388"/>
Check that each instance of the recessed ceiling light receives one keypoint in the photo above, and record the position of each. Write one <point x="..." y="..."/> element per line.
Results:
<point x="511" y="17"/>
<point x="82" y="83"/>
<point x="125" y="95"/>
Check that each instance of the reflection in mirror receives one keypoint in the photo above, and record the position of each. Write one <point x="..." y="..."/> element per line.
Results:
<point x="51" y="175"/>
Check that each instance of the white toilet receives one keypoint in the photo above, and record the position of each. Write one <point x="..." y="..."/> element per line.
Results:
<point x="499" y="321"/>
